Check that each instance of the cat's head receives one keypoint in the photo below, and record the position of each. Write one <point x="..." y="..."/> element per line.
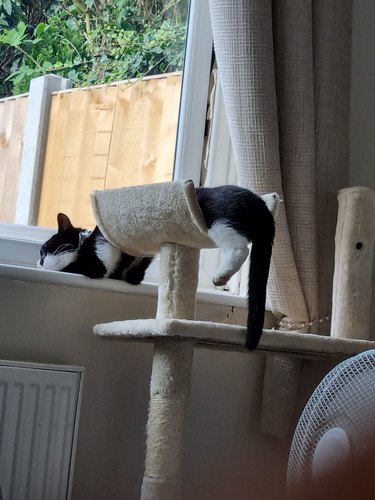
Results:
<point x="62" y="248"/>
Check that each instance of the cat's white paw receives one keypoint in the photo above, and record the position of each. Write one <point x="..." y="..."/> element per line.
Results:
<point x="221" y="279"/>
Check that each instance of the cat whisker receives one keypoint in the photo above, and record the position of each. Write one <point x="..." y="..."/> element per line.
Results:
<point x="63" y="248"/>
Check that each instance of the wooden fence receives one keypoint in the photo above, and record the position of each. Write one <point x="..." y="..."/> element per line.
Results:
<point x="99" y="137"/>
<point x="12" y="119"/>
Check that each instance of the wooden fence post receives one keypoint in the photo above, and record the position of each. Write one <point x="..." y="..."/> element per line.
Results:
<point x="35" y="134"/>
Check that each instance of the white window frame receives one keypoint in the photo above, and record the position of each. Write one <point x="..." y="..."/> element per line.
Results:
<point x="20" y="244"/>
<point x="193" y="102"/>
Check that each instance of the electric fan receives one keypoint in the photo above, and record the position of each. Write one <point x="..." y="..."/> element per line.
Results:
<point x="337" y="421"/>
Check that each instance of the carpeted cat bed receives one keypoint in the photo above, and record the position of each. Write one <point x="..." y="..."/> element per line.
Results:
<point x="140" y="219"/>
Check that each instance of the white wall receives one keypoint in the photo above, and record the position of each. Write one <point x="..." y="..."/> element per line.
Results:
<point x="49" y="323"/>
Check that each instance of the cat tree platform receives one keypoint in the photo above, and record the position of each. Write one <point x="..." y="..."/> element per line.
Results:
<point x="223" y="336"/>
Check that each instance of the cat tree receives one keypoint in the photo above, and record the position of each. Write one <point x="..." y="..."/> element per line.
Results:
<point x="166" y="218"/>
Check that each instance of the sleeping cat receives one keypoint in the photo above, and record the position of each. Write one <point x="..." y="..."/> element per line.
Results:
<point x="79" y="251"/>
<point x="234" y="217"/>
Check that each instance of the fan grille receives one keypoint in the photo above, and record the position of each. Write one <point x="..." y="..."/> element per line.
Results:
<point x="345" y="398"/>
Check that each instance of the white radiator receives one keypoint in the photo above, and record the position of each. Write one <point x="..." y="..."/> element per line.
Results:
<point x="39" y="410"/>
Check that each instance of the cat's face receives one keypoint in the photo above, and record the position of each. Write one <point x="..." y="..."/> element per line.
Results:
<point x="62" y="248"/>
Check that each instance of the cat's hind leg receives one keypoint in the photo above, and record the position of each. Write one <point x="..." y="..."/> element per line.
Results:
<point x="136" y="271"/>
<point x="234" y="251"/>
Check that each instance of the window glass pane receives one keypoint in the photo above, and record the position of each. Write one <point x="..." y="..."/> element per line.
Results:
<point x="117" y="126"/>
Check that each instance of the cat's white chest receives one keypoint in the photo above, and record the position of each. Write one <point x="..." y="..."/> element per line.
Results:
<point x="108" y="254"/>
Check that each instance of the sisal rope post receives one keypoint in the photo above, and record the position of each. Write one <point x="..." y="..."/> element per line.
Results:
<point x="170" y="378"/>
<point x="178" y="282"/>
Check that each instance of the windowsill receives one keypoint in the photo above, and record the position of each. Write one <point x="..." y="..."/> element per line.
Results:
<point x="19" y="251"/>
<point x="35" y="275"/>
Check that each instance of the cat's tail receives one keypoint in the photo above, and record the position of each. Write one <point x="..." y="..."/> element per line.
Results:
<point x="260" y="259"/>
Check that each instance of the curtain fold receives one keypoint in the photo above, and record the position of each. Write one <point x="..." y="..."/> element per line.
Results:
<point x="332" y="30"/>
<point x="284" y="67"/>
<point x="293" y="56"/>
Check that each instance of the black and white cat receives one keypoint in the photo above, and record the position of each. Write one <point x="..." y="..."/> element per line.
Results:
<point x="79" y="251"/>
<point x="234" y="217"/>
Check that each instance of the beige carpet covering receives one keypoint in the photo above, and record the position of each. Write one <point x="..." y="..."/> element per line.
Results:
<point x="139" y="219"/>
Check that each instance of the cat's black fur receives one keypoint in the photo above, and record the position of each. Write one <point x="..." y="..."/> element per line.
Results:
<point x="222" y="207"/>
<point x="248" y="214"/>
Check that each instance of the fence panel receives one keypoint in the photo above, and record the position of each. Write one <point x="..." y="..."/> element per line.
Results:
<point x="144" y="132"/>
<point x="105" y="137"/>
<point x="77" y="151"/>
<point x="12" y="119"/>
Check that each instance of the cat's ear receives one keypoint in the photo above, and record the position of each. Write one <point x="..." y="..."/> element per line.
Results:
<point x="64" y="223"/>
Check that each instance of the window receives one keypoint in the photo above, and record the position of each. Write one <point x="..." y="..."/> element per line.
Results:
<point x="114" y="134"/>
<point x="20" y="243"/>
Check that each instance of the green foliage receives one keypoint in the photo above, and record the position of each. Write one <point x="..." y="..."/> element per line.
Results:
<point x="89" y="41"/>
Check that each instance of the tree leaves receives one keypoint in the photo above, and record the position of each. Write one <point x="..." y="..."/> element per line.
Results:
<point x="91" y="41"/>
<point x="14" y="37"/>
<point x="6" y="5"/>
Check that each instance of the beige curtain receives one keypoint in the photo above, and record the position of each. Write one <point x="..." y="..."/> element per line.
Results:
<point x="284" y="68"/>
<point x="285" y="73"/>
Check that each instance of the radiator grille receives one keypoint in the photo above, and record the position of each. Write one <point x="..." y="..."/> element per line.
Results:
<point x="38" y="424"/>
